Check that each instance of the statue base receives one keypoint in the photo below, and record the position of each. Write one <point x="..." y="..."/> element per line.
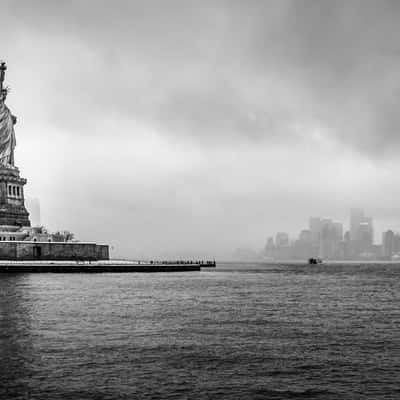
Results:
<point x="12" y="202"/>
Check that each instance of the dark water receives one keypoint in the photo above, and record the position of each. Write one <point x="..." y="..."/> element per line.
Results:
<point x="238" y="332"/>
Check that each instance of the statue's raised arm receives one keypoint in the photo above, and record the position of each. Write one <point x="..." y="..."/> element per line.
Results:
<point x="3" y="69"/>
<point x="7" y="121"/>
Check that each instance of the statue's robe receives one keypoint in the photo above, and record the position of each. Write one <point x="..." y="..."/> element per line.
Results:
<point x="7" y="136"/>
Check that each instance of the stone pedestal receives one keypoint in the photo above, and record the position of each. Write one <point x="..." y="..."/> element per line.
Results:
<point x="12" y="206"/>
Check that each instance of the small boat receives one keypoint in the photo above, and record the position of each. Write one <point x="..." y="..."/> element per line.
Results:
<point x="314" y="260"/>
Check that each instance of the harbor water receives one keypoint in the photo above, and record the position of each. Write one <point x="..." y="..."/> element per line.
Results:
<point x="240" y="331"/>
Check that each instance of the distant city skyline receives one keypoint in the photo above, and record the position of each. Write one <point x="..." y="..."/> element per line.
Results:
<point x="327" y="238"/>
<point x="381" y="224"/>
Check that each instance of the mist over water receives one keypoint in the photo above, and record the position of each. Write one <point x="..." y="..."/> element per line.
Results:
<point x="238" y="332"/>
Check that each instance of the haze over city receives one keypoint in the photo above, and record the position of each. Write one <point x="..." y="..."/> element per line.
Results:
<point x="194" y="128"/>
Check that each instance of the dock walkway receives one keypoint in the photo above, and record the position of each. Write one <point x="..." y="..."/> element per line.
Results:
<point x="108" y="266"/>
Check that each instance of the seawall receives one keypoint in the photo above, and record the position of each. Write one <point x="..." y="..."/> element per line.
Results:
<point x="67" y="251"/>
<point x="92" y="267"/>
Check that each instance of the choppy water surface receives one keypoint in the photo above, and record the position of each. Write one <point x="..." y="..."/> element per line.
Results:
<point x="237" y="332"/>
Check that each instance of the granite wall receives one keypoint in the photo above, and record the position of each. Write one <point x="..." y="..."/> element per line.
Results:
<point x="14" y="250"/>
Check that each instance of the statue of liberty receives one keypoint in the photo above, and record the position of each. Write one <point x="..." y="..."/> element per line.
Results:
<point x="7" y="122"/>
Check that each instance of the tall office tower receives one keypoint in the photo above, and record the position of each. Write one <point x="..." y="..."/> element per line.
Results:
<point x="330" y="238"/>
<point x="396" y="243"/>
<point x="302" y="248"/>
<point x="282" y="239"/>
<point x="347" y="251"/>
<point x="269" y="247"/>
<point x="305" y="236"/>
<point x="388" y="244"/>
<point x="356" y="218"/>
<point x="361" y="232"/>
<point x="282" y="246"/>
<point x="338" y="226"/>
<point x="366" y="234"/>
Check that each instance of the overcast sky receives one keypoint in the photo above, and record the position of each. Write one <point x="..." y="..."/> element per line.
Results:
<point x="195" y="127"/>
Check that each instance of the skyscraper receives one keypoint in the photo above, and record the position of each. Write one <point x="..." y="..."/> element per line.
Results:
<point x="326" y="236"/>
<point x="269" y="249"/>
<point x="387" y="244"/>
<point x="361" y="232"/>
<point x="282" y="245"/>
<point x="356" y="218"/>
<point x="282" y="239"/>
<point x="331" y="236"/>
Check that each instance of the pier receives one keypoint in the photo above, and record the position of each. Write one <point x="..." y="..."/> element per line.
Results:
<point x="109" y="266"/>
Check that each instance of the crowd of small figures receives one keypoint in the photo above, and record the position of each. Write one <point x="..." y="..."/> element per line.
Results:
<point x="181" y="262"/>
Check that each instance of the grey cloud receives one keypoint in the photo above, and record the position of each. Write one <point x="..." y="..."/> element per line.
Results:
<point x="203" y="69"/>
